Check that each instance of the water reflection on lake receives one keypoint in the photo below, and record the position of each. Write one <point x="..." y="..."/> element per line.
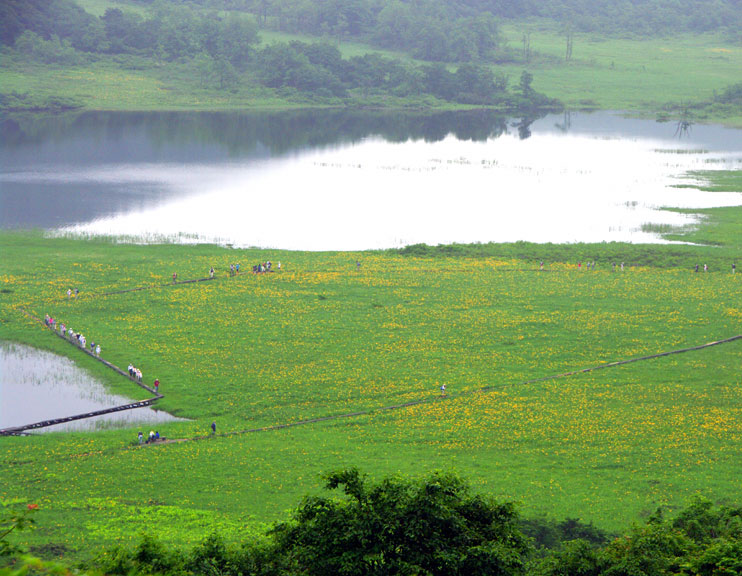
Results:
<point x="339" y="180"/>
<point x="36" y="385"/>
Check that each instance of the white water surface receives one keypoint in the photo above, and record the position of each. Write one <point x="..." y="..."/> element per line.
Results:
<point x="593" y="178"/>
<point x="376" y="194"/>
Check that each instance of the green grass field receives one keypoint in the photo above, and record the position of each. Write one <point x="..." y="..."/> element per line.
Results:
<point x="630" y="74"/>
<point x="322" y="338"/>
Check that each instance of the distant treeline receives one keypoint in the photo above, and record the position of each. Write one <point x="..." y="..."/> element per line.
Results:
<point x="462" y="29"/>
<point x="223" y="49"/>
<point x="435" y="30"/>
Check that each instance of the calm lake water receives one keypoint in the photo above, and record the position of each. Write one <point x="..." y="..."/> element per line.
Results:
<point x="36" y="385"/>
<point x="339" y="180"/>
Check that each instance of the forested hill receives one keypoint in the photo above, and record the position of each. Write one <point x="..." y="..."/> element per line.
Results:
<point x="369" y="52"/>
<point x="427" y="29"/>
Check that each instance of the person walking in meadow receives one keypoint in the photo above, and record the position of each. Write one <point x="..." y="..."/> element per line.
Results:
<point x="175" y="277"/>
<point x="621" y="266"/>
<point x="157" y="385"/>
<point x="69" y="293"/>
<point x="211" y="272"/>
<point x="443" y="389"/>
<point x="97" y="350"/>
<point x="696" y="268"/>
<point x="141" y="438"/>
<point x="541" y="267"/>
<point x="213" y="428"/>
<point x="705" y="268"/>
<point x="77" y="291"/>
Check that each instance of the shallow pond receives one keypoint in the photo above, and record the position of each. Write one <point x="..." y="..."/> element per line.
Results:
<point x="36" y="385"/>
<point x="338" y="180"/>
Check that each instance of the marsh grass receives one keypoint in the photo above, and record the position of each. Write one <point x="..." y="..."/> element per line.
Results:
<point x="322" y="338"/>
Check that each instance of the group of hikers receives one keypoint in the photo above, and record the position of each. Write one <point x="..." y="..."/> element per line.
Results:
<point x="234" y="269"/>
<point x="264" y="267"/>
<point x="135" y="373"/>
<point x="153" y="436"/>
<point x="72" y="336"/>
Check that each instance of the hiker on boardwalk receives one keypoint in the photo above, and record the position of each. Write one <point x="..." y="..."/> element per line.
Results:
<point x="213" y="428"/>
<point x="541" y="266"/>
<point x="211" y="272"/>
<point x="157" y="385"/>
<point x="97" y="350"/>
<point x="443" y="389"/>
<point x="175" y="277"/>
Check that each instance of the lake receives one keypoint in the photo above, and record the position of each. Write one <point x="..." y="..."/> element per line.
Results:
<point x="336" y="180"/>
<point x="36" y="385"/>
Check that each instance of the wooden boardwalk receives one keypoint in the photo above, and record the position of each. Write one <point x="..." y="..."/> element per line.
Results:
<point x="19" y="430"/>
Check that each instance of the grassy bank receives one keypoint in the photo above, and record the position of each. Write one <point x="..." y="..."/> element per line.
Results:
<point x="323" y="338"/>
<point x="637" y="75"/>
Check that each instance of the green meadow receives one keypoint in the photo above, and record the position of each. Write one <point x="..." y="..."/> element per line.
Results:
<point x="636" y="75"/>
<point x="371" y="346"/>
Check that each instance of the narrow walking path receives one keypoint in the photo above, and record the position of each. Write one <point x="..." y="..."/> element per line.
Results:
<point x="18" y="430"/>
<point x="484" y="389"/>
<point x="421" y="401"/>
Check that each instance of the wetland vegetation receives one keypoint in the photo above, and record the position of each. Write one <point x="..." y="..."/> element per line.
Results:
<point x="542" y="457"/>
<point x="324" y="338"/>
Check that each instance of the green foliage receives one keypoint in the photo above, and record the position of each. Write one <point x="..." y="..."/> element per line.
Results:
<point x="14" y="519"/>
<point x="433" y="526"/>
